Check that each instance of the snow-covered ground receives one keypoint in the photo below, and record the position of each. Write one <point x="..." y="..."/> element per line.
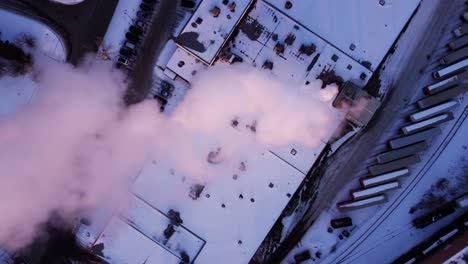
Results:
<point x="14" y="28"/>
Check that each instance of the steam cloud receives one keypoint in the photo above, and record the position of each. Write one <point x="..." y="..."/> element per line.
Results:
<point x="76" y="146"/>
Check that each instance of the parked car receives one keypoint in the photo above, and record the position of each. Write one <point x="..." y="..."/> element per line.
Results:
<point x="143" y="15"/>
<point x="188" y="4"/>
<point x="126" y="52"/>
<point x="132" y="37"/>
<point x="123" y="61"/>
<point x="140" y="23"/>
<point x="129" y="45"/>
<point x="136" y="30"/>
<point x="168" y="86"/>
<point x="146" y="8"/>
<point x="149" y="2"/>
<point x="341" y="222"/>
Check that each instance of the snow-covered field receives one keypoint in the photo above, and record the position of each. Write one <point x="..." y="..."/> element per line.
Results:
<point x="47" y="41"/>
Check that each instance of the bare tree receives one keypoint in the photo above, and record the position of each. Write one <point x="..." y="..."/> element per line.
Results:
<point x="106" y="52"/>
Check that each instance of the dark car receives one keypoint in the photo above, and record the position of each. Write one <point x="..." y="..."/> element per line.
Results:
<point x="126" y="52"/>
<point x="341" y="222"/>
<point x="123" y="61"/>
<point x="188" y="4"/>
<point x="167" y="86"/>
<point x="146" y="8"/>
<point x="135" y="39"/>
<point x="143" y="15"/>
<point x="140" y="23"/>
<point x="161" y="99"/>
<point x="149" y="2"/>
<point x="136" y="30"/>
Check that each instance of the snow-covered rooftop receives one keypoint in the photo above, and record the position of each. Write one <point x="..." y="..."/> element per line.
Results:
<point x="210" y="26"/>
<point x="231" y="217"/>
<point x="363" y="29"/>
<point x="265" y="27"/>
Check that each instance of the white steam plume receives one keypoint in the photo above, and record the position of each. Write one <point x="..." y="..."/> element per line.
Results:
<point x="77" y="147"/>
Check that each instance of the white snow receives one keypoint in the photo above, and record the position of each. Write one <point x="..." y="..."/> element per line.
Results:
<point x="370" y="27"/>
<point x="13" y="27"/>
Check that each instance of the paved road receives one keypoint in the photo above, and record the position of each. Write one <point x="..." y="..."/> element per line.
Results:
<point x="81" y="25"/>
<point x="159" y="32"/>
<point x="352" y="159"/>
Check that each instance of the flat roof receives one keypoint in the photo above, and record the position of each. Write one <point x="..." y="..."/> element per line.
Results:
<point x="121" y="243"/>
<point x="205" y="34"/>
<point x="229" y="220"/>
<point x="265" y="27"/>
<point x="266" y="189"/>
<point x="363" y="29"/>
<point x="185" y="65"/>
